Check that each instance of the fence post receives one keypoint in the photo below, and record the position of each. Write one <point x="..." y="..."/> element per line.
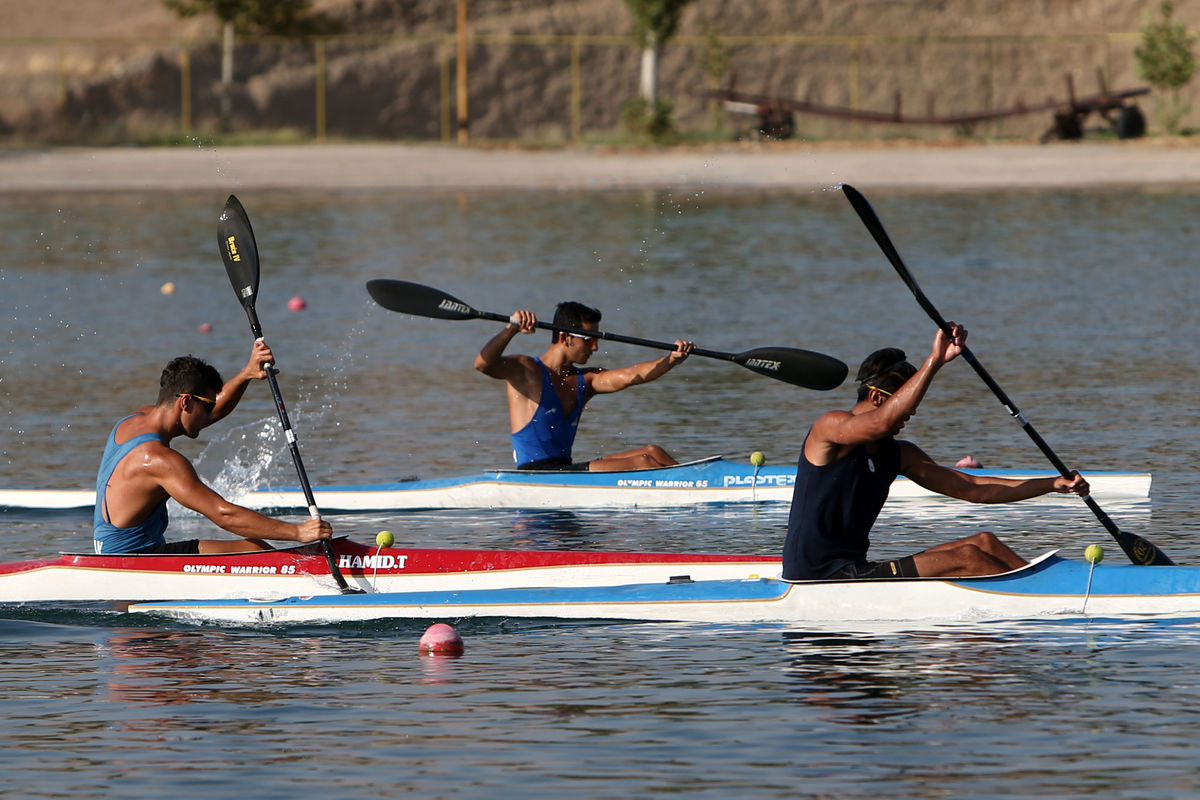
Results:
<point x="461" y="83"/>
<point x="444" y="59"/>
<point x="185" y="89"/>
<point x="319" y="48"/>
<point x="991" y="82"/>
<point x="60" y="109"/>
<point x="62" y="77"/>
<point x="855" y="46"/>
<point x="576" y="92"/>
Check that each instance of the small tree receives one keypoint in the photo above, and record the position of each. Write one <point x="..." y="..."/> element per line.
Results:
<point x="1165" y="60"/>
<point x="654" y="23"/>
<point x="283" y="17"/>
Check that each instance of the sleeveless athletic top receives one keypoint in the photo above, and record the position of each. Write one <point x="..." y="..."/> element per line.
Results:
<point x="833" y="509"/>
<point x="107" y="537"/>
<point x="550" y="434"/>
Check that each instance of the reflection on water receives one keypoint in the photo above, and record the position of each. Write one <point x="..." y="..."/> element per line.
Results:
<point x="551" y="530"/>
<point x="847" y="676"/>
<point x="169" y="667"/>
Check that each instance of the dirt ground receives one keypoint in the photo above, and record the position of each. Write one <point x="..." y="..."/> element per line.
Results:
<point x="446" y="167"/>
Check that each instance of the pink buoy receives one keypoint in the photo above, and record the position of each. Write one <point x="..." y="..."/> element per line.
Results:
<point x="441" y="639"/>
<point x="205" y="327"/>
<point x="297" y="304"/>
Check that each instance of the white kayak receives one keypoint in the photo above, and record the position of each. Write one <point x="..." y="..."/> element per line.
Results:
<point x="1049" y="588"/>
<point x="710" y="480"/>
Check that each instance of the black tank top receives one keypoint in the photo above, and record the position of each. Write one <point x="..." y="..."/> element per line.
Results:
<point x="833" y="509"/>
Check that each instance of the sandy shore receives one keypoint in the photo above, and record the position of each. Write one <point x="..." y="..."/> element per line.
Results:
<point x="790" y="166"/>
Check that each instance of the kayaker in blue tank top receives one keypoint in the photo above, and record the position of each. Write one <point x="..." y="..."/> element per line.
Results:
<point x="550" y="434"/>
<point x="140" y="471"/>
<point x="145" y="535"/>
<point x="849" y="461"/>
<point x="543" y="433"/>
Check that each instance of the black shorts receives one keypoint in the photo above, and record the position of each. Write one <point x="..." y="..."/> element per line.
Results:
<point x="879" y="570"/>
<point x="188" y="547"/>
<point x="561" y="464"/>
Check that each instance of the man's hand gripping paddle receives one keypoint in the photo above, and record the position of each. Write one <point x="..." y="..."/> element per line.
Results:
<point x="240" y="254"/>
<point x="1140" y="551"/>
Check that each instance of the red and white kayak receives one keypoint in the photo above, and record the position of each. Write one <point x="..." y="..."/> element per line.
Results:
<point x="302" y="570"/>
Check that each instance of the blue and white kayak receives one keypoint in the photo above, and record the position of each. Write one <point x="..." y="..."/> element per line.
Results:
<point x="1050" y="587"/>
<point x="710" y="480"/>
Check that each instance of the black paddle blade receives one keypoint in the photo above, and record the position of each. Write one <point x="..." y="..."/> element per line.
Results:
<point x="798" y="367"/>
<point x="239" y="251"/>
<point x="418" y="300"/>
<point x="1142" y="552"/>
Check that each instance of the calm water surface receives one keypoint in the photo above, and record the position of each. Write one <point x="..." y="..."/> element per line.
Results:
<point x="1080" y="304"/>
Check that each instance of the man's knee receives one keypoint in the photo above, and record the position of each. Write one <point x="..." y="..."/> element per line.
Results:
<point x="648" y="459"/>
<point x="986" y="541"/>
<point x="660" y="457"/>
<point x="982" y="558"/>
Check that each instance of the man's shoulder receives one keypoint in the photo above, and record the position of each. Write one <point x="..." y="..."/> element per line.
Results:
<point x="157" y="452"/>
<point x="910" y="450"/>
<point x="525" y="360"/>
<point x="834" y="417"/>
<point x="138" y="425"/>
<point x="517" y="365"/>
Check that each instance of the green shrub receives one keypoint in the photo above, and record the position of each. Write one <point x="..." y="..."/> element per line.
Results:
<point x="1165" y="60"/>
<point x="642" y="121"/>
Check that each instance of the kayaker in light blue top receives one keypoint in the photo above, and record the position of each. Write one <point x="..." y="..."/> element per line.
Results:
<point x="547" y="395"/>
<point x="849" y="461"/>
<point x="140" y="471"/>
<point x="144" y="535"/>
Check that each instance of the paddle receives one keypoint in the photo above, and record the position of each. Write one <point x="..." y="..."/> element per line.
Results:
<point x="1139" y="550"/>
<point x="797" y="367"/>
<point x="240" y="254"/>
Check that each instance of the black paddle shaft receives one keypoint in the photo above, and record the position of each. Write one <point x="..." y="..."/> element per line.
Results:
<point x="1140" y="551"/>
<point x="788" y="364"/>
<point x="239" y="251"/>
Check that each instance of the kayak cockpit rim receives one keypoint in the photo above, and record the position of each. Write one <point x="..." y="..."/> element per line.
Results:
<point x="1033" y="566"/>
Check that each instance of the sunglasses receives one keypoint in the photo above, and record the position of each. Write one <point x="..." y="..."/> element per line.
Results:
<point x="205" y="400"/>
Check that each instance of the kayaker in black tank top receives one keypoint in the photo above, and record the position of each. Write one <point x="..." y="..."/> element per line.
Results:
<point x="849" y="461"/>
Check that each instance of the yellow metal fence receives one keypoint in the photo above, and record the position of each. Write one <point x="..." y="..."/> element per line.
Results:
<point x="528" y="86"/>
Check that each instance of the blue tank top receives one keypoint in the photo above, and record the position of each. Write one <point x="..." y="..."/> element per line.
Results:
<point x="107" y="537"/>
<point x="833" y="509"/>
<point x="551" y="433"/>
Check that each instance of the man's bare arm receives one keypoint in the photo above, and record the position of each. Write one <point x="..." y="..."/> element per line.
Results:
<point x="614" y="380"/>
